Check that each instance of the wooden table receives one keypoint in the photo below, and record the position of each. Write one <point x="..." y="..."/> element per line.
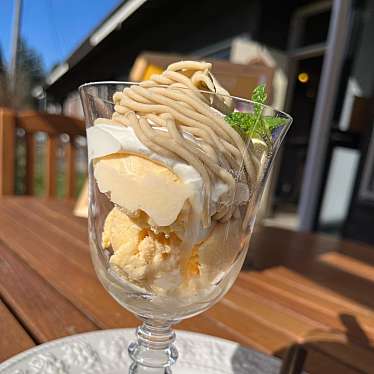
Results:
<point x="306" y="288"/>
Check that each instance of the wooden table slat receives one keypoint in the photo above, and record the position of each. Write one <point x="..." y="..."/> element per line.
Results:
<point x="74" y="279"/>
<point x="262" y="335"/>
<point x="301" y="283"/>
<point x="317" y="307"/>
<point x="340" y="347"/>
<point x="57" y="217"/>
<point x="349" y="264"/>
<point x="31" y="297"/>
<point x="61" y="209"/>
<point x="319" y="363"/>
<point x="13" y="338"/>
<point x="204" y="324"/>
<point x="306" y="288"/>
<point x="56" y="235"/>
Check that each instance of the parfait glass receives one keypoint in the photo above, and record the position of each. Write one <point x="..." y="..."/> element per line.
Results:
<point x="154" y="351"/>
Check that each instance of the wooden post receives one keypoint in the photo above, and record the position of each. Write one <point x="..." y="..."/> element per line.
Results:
<point x="30" y="163"/>
<point x="50" y="173"/>
<point x="70" y="168"/>
<point x="7" y="151"/>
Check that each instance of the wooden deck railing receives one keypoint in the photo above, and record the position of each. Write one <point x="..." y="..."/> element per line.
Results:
<point x="53" y="126"/>
<point x="7" y="151"/>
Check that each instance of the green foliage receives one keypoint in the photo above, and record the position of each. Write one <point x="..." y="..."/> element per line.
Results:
<point x="255" y="125"/>
<point x="29" y="73"/>
<point x="259" y="96"/>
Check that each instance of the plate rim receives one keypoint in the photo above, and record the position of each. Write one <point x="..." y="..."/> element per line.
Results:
<point x="60" y="341"/>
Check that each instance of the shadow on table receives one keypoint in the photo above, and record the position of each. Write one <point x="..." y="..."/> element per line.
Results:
<point x="354" y="331"/>
<point x="342" y="267"/>
<point x="313" y="265"/>
<point x="353" y="347"/>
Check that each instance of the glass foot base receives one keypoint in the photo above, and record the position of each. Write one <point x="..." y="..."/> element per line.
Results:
<point x="175" y="370"/>
<point x="154" y="351"/>
<point x="136" y="369"/>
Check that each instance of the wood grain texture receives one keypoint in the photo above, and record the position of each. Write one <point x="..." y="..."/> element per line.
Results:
<point x="320" y="363"/>
<point x="294" y="288"/>
<point x="318" y="308"/>
<point x="13" y="338"/>
<point x="343" y="349"/>
<point x="52" y="124"/>
<point x="7" y="151"/>
<point x="31" y="297"/>
<point x="57" y="214"/>
<point x="63" y="263"/>
<point x="349" y="264"/>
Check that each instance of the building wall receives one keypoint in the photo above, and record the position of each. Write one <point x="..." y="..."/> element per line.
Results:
<point x="345" y="162"/>
<point x="360" y="220"/>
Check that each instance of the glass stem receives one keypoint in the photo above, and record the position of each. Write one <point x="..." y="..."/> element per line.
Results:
<point x="154" y="351"/>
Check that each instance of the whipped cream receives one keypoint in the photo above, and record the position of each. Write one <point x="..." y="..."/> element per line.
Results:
<point x="106" y="139"/>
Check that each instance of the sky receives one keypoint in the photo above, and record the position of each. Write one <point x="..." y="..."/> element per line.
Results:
<point x="54" y="28"/>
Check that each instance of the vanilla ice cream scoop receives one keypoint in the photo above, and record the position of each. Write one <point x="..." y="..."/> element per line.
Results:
<point x="139" y="184"/>
<point x="147" y="259"/>
<point x="158" y="262"/>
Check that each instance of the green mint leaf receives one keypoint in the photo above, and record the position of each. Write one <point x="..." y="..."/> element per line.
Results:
<point x="273" y="122"/>
<point x="259" y="96"/>
<point x="245" y="123"/>
<point x="255" y="125"/>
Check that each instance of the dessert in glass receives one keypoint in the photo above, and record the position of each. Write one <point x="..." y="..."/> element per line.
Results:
<point x="176" y="170"/>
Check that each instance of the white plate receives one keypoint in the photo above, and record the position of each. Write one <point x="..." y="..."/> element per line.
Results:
<point x="105" y="352"/>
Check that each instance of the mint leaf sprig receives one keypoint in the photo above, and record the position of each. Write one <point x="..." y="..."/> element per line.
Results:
<point x="255" y="125"/>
